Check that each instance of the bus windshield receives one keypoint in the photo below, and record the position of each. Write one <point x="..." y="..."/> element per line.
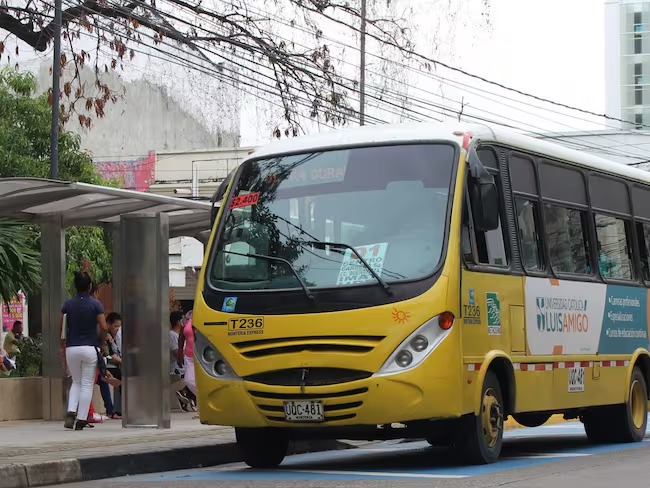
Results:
<point x="383" y="209"/>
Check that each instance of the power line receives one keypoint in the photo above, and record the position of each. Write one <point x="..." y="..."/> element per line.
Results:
<point x="274" y="92"/>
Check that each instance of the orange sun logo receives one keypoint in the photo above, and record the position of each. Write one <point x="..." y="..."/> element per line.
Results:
<point x="400" y="316"/>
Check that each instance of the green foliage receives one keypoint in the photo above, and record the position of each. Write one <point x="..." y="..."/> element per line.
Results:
<point x="90" y="244"/>
<point x="25" y="152"/>
<point x="20" y="266"/>
<point x="25" y="134"/>
<point x="29" y="359"/>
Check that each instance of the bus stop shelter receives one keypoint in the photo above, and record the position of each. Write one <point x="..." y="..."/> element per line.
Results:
<point x="141" y="225"/>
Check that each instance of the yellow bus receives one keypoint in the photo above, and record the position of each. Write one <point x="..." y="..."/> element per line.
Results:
<point x="424" y="281"/>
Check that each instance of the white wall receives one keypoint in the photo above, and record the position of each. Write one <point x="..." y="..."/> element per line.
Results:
<point x="146" y="117"/>
<point x="185" y="259"/>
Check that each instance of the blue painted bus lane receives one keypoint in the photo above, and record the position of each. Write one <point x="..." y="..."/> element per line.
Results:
<point x="523" y="448"/>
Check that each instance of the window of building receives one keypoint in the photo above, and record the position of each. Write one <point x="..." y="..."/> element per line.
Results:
<point x="614" y="251"/>
<point x="638" y="95"/>
<point x="638" y="121"/>
<point x="530" y="239"/>
<point x="638" y="74"/>
<point x="638" y="22"/>
<point x="638" y="44"/>
<point x="567" y="238"/>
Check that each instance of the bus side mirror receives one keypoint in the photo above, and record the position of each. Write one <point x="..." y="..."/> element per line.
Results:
<point x="483" y="194"/>
<point x="485" y="205"/>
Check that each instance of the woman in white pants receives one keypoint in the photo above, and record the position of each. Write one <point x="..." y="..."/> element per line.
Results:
<point x="82" y="313"/>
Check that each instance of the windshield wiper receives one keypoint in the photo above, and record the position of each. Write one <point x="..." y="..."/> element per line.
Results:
<point x="281" y="260"/>
<point x="323" y="244"/>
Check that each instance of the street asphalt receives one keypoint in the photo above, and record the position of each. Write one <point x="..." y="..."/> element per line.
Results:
<point x="556" y="456"/>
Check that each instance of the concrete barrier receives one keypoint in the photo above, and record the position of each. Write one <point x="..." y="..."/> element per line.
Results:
<point x="21" y="398"/>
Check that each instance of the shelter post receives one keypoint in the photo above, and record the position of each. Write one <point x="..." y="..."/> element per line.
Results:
<point x="53" y="295"/>
<point x="145" y="336"/>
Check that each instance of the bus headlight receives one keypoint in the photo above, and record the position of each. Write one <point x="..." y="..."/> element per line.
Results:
<point x="418" y="345"/>
<point x="211" y="360"/>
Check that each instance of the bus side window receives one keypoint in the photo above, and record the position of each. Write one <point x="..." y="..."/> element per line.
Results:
<point x="643" y="234"/>
<point x="615" y="256"/>
<point x="488" y="248"/>
<point x="530" y="239"/>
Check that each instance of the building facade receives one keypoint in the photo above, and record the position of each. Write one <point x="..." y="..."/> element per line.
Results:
<point x="627" y="62"/>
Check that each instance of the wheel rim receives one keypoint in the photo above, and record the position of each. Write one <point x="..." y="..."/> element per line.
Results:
<point x="637" y="404"/>
<point x="491" y="418"/>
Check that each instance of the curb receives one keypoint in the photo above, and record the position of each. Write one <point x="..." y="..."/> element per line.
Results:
<point x="129" y="464"/>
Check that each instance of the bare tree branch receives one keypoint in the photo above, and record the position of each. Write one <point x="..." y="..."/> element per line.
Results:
<point x="206" y="35"/>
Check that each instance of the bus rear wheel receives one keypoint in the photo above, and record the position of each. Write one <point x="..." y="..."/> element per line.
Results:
<point x="481" y="436"/>
<point x="620" y="423"/>
<point x="262" y="448"/>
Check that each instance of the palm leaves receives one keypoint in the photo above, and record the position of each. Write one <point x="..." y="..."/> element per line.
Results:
<point x="20" y="267"/>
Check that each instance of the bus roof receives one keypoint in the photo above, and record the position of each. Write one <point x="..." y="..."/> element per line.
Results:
<point x="433" y="131"/>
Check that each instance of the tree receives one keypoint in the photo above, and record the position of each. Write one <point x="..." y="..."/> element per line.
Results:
<point x="24" y="151"/>
<point x="246" y="44"/>
<point x="20" y="268"/>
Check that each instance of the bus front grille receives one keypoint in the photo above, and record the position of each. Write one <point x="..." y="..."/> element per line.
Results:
<point x="329" y="344"/>
<point x="308" y="377"/>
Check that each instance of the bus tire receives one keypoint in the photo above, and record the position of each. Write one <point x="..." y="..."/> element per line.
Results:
<point x="262" y="448"/>
<point x="631" y="418"/>
<point x="598" y="427"/>
<point x="621" y="423"/>
<point x="481" y="436"/>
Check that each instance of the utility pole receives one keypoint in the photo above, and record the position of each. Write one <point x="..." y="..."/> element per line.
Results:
<point x="362" y="75"/>
<point x="56" y="90"/>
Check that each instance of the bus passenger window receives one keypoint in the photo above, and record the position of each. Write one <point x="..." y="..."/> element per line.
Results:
<point x="614" y="250"/>
<point x="643" y="234"/>
<point x="567" y="236"/>
<point x="529" y="236"/>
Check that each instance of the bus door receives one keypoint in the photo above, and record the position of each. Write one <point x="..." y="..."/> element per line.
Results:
<point x="492" y="290"/>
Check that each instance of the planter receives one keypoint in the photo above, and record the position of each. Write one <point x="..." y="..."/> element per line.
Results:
<point x="21" y="398"/>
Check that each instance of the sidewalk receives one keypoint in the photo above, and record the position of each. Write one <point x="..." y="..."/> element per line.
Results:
<point x="39" y="453"/>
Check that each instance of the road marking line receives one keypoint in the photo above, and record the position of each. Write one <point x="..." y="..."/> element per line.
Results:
<point x="549" y="455"/>
<point x="381" y="474"/>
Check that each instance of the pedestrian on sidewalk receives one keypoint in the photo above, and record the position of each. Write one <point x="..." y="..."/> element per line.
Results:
<point x="82" y="315"/>
<point x="186" y="347"/>
<point x="177" y="373"/>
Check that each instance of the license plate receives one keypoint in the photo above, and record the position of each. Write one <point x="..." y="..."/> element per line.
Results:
<point x="308" y="411"/>
<point x="576" y="380"/>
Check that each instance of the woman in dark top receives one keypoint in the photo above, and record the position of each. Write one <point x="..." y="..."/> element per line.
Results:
<point x="82" y="339"/>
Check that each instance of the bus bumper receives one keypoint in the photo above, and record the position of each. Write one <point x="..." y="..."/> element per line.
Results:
<point x="376" y="400"/>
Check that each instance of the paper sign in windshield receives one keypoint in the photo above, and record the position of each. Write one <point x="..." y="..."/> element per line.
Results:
<point x="245" y="200"/>
<point x="353" y="271"/>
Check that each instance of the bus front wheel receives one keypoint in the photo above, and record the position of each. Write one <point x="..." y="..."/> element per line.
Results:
<point x="262" y="448"/>
<point x="481" y="436"/>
